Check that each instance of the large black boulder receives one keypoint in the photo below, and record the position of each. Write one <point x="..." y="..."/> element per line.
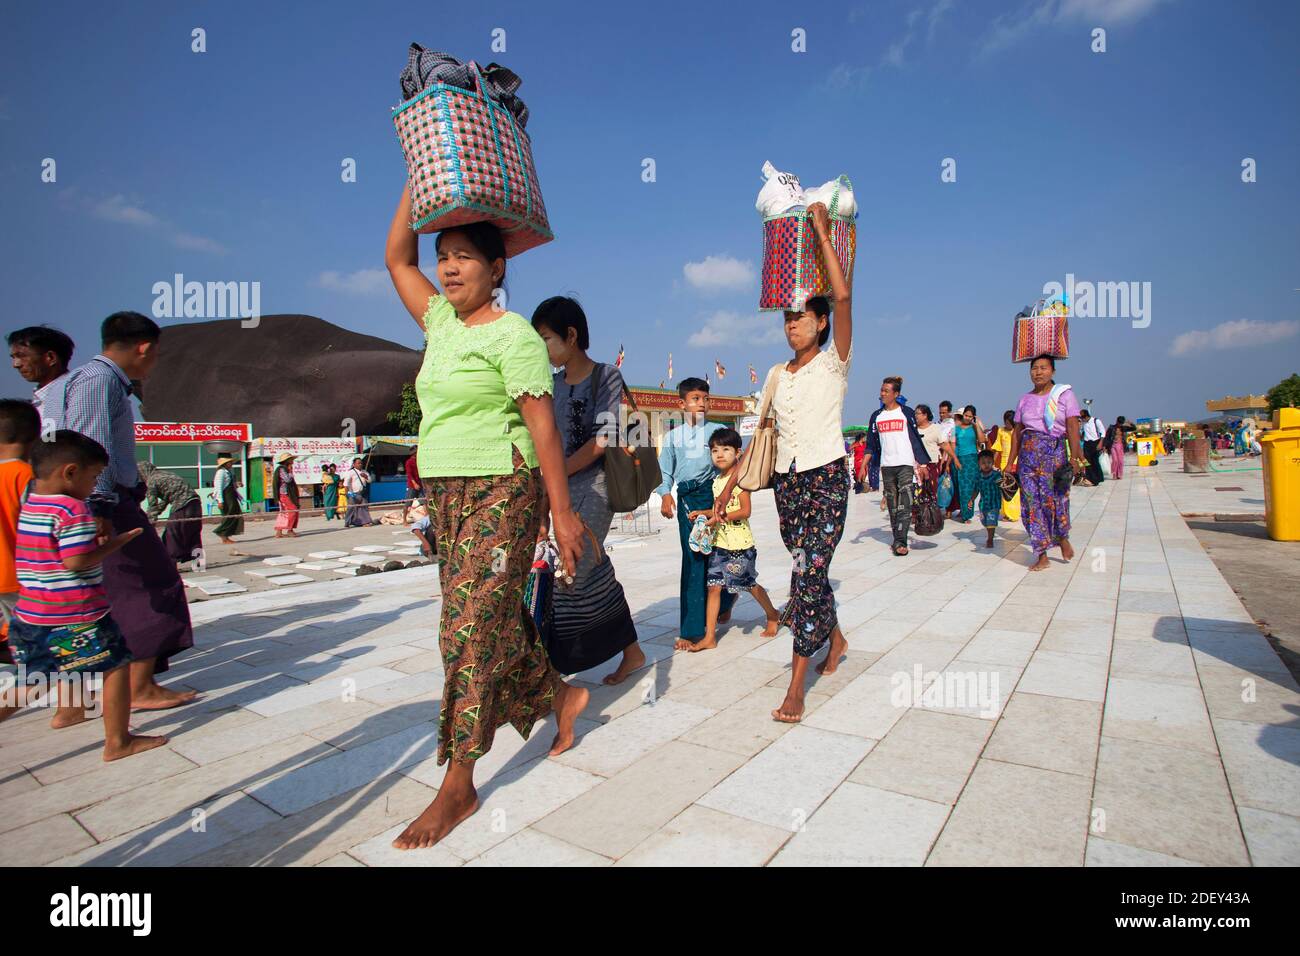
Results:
<point x="290" y="375"/>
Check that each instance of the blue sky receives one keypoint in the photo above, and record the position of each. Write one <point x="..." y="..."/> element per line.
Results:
<point x="1115" y="166"/>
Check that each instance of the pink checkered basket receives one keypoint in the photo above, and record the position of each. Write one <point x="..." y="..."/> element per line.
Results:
<point x="468" y="160"/>
<point x="794" y="266"/>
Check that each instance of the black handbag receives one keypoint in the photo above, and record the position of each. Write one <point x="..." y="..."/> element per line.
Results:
<point x="1062" y="478"/>
<point x="927" y="516"/>
<point x="631" y="473"/>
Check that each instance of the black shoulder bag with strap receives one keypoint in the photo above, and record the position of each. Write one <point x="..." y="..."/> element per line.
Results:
<point x="631" y="472"/>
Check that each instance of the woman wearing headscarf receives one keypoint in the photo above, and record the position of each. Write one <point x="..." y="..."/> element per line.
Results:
<point x="488" y="446"/>
<point x="223" y="489"/>
<point x="286" y="494"/>
<point x="811" y="483"/>
<point x="1045" y="454"/>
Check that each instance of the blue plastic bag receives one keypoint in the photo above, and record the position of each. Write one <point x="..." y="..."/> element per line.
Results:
<point x="944" y="496"/>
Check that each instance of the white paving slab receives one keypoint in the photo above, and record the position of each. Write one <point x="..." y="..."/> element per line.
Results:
<point x="281" y="580"/>
<point x="226" y="587"/>
<point x="785" y="784"/>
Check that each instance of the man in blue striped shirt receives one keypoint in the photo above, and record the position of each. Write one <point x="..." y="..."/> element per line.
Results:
<point x="144" y="588"/>
<point x="685" y="461"/>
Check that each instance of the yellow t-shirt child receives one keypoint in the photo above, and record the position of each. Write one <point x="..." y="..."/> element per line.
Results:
<point x="731" y="535"/>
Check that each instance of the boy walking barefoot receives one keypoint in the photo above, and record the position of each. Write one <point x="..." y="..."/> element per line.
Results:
<point x="733" y="561"/>
<point x="988" y="488"/>
<point x="61" y="624"/>
<point x="685" y="461"/>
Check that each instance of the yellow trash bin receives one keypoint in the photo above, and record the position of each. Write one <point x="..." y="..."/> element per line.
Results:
<point x="1147" y="450"/>
<point x="1282" y="475"/>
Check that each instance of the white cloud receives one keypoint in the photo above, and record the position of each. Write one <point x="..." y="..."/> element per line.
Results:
<point x="1237" y="334"/>
<point x="720" y="273"/>
<point x="361" y="282"/>
<point x="117" y="209"/>
<point x="187" y="240"/>
<point x="1010" y="28"/>
<point x="1106" y="11"/>
<point x="845" y="77"/>
<point x="734" y="328"/>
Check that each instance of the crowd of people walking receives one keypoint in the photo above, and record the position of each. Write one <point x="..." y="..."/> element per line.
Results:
<point x="511" y="461"/>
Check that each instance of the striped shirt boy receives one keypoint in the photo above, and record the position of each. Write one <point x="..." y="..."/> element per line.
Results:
<point x="50" y="528"/>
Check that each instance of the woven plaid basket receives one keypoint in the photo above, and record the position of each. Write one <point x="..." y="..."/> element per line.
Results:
<point x="794" y="267"/>
<point x="469" y="161"/>
<point x="1037" y="335"/>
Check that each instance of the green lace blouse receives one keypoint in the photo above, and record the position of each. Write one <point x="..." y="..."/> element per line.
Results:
<point x="467" y="388"/>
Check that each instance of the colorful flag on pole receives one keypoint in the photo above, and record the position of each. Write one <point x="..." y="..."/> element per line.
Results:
<point x="670" y="366"/>
<point x="618" y="362"/>
<point x="753" y="376"/>
<point x="720" y="369"/>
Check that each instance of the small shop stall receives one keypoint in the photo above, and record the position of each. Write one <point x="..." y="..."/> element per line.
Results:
<point x="312" y="455"/>
<point x="191" y="450"/>
<point x="386" y="458"/>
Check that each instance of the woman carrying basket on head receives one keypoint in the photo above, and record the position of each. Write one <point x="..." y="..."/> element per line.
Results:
<point x="486" y="426"/>
<point x="811" y="482"/>
<point x="1045" y="453"/>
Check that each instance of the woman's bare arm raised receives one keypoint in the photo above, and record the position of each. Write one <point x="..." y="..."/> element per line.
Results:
<point x="841" y="287"/>
<point x="402" y="256"/>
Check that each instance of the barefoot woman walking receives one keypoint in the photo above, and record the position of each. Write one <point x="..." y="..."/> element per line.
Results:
<point x="811" y="484"/>
<point x="486" y="426"/>
<point x="1046" y="419"/>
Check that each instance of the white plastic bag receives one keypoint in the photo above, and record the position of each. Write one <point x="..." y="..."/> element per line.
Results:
<point x="848" y="206"/>
<point x="780" y="194"/>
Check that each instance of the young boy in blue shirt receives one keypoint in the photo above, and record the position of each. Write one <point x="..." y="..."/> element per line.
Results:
<point x="686" y="462"/>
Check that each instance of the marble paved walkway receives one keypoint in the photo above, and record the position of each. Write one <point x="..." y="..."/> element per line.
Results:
<point x="1121" y="710"/>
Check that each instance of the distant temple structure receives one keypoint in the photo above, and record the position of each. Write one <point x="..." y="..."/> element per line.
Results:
<point x="1241" y="406"/>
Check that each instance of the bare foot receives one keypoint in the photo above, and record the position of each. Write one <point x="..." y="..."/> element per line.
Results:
<point x="567" y="708"/>
<point x="439" y="818"/>
<point x="160" y="698"/>
<point x="682" y="644"/>
<point x="1067" y="549"/>
<point x="68" y="717"/>
<point x="791" y="709"/>
<point x="707" y="644"/>
<point x="773" y="625"/>
<point x="633" y="659"/>
<point x="1041" y="564"/>
<point x="134" y="745"/>
<point x="832" y="661"/>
